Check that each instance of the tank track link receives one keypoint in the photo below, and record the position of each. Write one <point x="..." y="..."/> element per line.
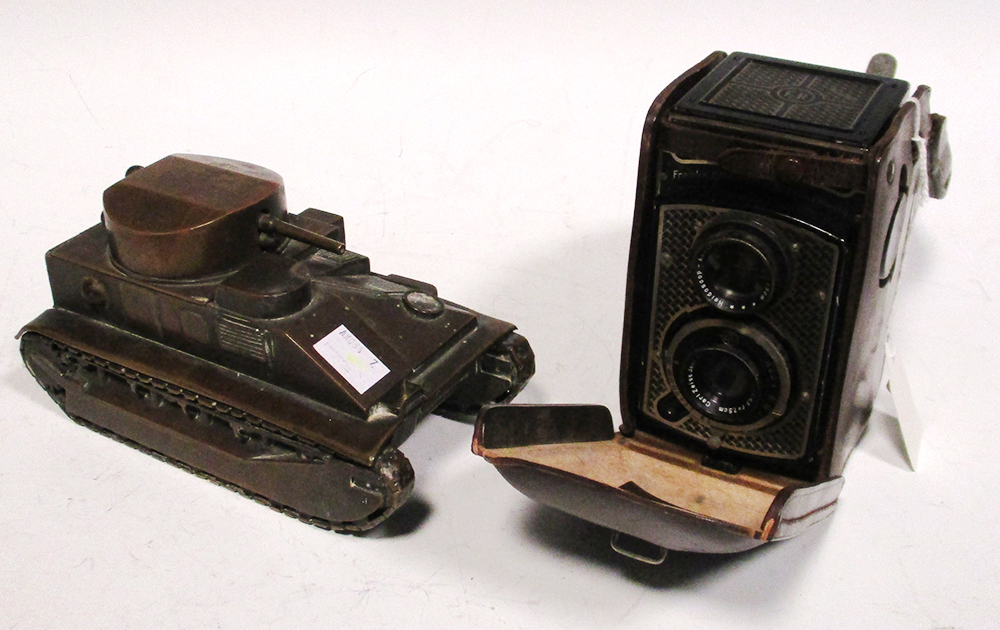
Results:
<point x="57" y="367"/>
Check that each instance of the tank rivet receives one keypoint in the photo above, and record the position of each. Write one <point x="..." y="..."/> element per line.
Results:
<point x="94" y="292"/>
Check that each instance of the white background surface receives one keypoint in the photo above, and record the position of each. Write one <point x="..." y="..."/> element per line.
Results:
<point x="489" y="148"/>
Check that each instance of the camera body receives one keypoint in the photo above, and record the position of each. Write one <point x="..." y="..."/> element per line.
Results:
<point x="773" y="204"/>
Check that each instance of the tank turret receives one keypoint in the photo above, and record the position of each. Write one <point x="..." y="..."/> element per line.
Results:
<point x="204" y="324"/>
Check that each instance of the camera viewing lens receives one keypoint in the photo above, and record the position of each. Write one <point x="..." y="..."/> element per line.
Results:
<point x="729" y="372"/>
<point x="738" y="269"/>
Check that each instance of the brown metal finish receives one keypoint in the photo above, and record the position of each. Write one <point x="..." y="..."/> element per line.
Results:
<point x="208" y="327"/>
<point x="892" y="187"/>
<point x="190" y="216"/>
<point x="872" y="187"/>
<point x="646" y="190"/>
<point x="743" y="393"/>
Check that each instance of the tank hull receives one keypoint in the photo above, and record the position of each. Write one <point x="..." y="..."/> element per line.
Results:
<point x="159" y="400"/>
<point x="198" y="433"/>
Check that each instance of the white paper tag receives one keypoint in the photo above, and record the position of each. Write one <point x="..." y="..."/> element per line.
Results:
<point x="903" y="407"/>
<point x="911" y="426"/>
<point x="352" y="359"/>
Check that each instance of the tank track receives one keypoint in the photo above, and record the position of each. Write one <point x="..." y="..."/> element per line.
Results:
<point x="497" y="377"/>
<point x="272" y="443"/>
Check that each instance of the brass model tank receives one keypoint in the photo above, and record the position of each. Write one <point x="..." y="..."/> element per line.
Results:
<point x="205" y="325"/>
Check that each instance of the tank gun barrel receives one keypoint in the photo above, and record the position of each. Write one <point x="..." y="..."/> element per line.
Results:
<point x="270" y="225"/>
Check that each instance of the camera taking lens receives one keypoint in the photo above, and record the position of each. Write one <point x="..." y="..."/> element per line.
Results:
<point x="733" y="373"/>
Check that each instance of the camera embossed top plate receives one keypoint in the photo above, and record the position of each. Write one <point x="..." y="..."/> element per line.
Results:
<point x="797" y="98"/>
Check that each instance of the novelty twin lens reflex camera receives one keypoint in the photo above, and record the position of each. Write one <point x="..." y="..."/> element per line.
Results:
<point x="773" y="204"/>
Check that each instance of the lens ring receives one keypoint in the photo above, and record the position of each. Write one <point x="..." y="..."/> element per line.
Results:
<point x="722" y="381"/>
<point x="738" y="268"/>
<point x="730" y="374"/>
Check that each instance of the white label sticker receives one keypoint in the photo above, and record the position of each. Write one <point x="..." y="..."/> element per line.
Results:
<point x="351" y="358"/>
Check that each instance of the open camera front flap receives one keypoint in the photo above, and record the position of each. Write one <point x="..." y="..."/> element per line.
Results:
<point x="772" y="208"/>
<point x="570" y="457"/>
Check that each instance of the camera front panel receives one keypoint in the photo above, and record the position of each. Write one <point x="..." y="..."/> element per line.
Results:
<point x="741" y="310"/>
